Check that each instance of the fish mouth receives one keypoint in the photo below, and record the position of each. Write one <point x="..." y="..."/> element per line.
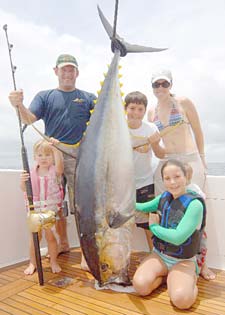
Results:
<point x="115" y="279"/>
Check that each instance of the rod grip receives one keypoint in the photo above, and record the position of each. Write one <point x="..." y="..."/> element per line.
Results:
<point x="27" y="169"/>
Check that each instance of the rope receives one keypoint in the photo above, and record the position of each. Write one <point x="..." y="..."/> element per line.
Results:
<point x="169" y="129"/>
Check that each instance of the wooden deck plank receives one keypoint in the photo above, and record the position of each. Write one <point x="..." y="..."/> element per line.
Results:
<point x="11" y="310"/>
<point x="73" y="303"/>
<point x="33" y="306"/>
<point x="4" y="276"/>
<point x="36" y="298"/>
<point x="67" y="295"/>
<point x="68" y="311"/>
<point x="13" y="274"/>
<point x="200" y="307"/>
<point x="13" y="288"/>
<point x="48" y="275"/>
<point x="155" y="304"/>
<point x="20" y="294"/>
<point x="3" y="282"/>
<point x="29" y="309"/>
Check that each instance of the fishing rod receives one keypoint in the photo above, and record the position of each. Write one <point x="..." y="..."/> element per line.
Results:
<point x="26" y="167"/>
<point x="22" y="128"/>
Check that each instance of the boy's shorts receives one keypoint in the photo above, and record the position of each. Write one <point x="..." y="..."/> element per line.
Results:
<point x="144" y="194"/>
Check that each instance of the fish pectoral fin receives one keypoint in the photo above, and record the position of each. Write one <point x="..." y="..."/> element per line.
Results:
<point x="117" y="219"/>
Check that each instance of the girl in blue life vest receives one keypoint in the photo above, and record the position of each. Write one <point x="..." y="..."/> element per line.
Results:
<point x="47" y="195"/>
<point x="177" y="228"/>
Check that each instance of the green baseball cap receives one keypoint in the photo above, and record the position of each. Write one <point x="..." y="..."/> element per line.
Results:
<point x="66" y="60"/>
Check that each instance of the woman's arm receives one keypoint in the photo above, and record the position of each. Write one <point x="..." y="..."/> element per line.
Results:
<point x="194" y="120"/>
<point x="151" y="115"/>
<point x="188" y="224"/>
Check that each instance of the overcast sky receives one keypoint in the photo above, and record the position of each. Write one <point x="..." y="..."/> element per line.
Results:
<point x="193" y="31"/>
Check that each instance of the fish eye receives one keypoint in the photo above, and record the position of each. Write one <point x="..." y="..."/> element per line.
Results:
<point x="104" y="267"/>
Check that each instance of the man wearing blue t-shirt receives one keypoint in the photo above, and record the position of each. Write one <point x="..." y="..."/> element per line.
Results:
<point x="65" y="112"/>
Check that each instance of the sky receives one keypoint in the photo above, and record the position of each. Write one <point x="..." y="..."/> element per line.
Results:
<point x="193" y="31"/>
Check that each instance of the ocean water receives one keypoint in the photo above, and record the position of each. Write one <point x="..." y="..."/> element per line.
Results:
<point x="216" y="169"/>
<point x="11" y="160"/>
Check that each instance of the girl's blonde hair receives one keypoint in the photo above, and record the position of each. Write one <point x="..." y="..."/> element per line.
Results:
<point x="42" y="145"/>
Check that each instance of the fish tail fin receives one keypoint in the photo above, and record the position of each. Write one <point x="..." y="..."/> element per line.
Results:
<point x="118" y="43"/>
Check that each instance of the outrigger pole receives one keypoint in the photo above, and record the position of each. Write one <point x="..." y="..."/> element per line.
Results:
<point x="26" y="168"/>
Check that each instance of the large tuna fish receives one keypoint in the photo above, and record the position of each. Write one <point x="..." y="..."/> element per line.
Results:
<point x="105" y="187"/>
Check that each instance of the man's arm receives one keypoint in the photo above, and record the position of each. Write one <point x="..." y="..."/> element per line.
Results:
<point x="16" y="99"/>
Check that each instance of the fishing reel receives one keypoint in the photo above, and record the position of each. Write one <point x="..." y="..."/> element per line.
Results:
<point x="40" y="220"/>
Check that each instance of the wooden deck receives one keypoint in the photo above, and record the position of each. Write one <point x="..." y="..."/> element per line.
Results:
<point x="20" y="295"/>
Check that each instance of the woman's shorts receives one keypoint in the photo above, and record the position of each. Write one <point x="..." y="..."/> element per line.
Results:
<point x="199" y="176"/>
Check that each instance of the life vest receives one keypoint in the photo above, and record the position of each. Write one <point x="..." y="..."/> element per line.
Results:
<point x="172" y="211"/>
<point x="53" y="190"/>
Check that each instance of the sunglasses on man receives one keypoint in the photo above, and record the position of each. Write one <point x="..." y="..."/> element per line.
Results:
<point x="164" y="84"/>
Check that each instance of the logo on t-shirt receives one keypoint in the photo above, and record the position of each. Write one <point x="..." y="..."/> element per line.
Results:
<point x="78" y="100"/>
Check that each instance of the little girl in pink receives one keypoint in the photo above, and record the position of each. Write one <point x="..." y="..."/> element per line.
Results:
<point x="47" y="195"/>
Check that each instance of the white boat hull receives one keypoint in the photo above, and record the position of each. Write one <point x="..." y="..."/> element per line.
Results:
<point x="14" y="233"/>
